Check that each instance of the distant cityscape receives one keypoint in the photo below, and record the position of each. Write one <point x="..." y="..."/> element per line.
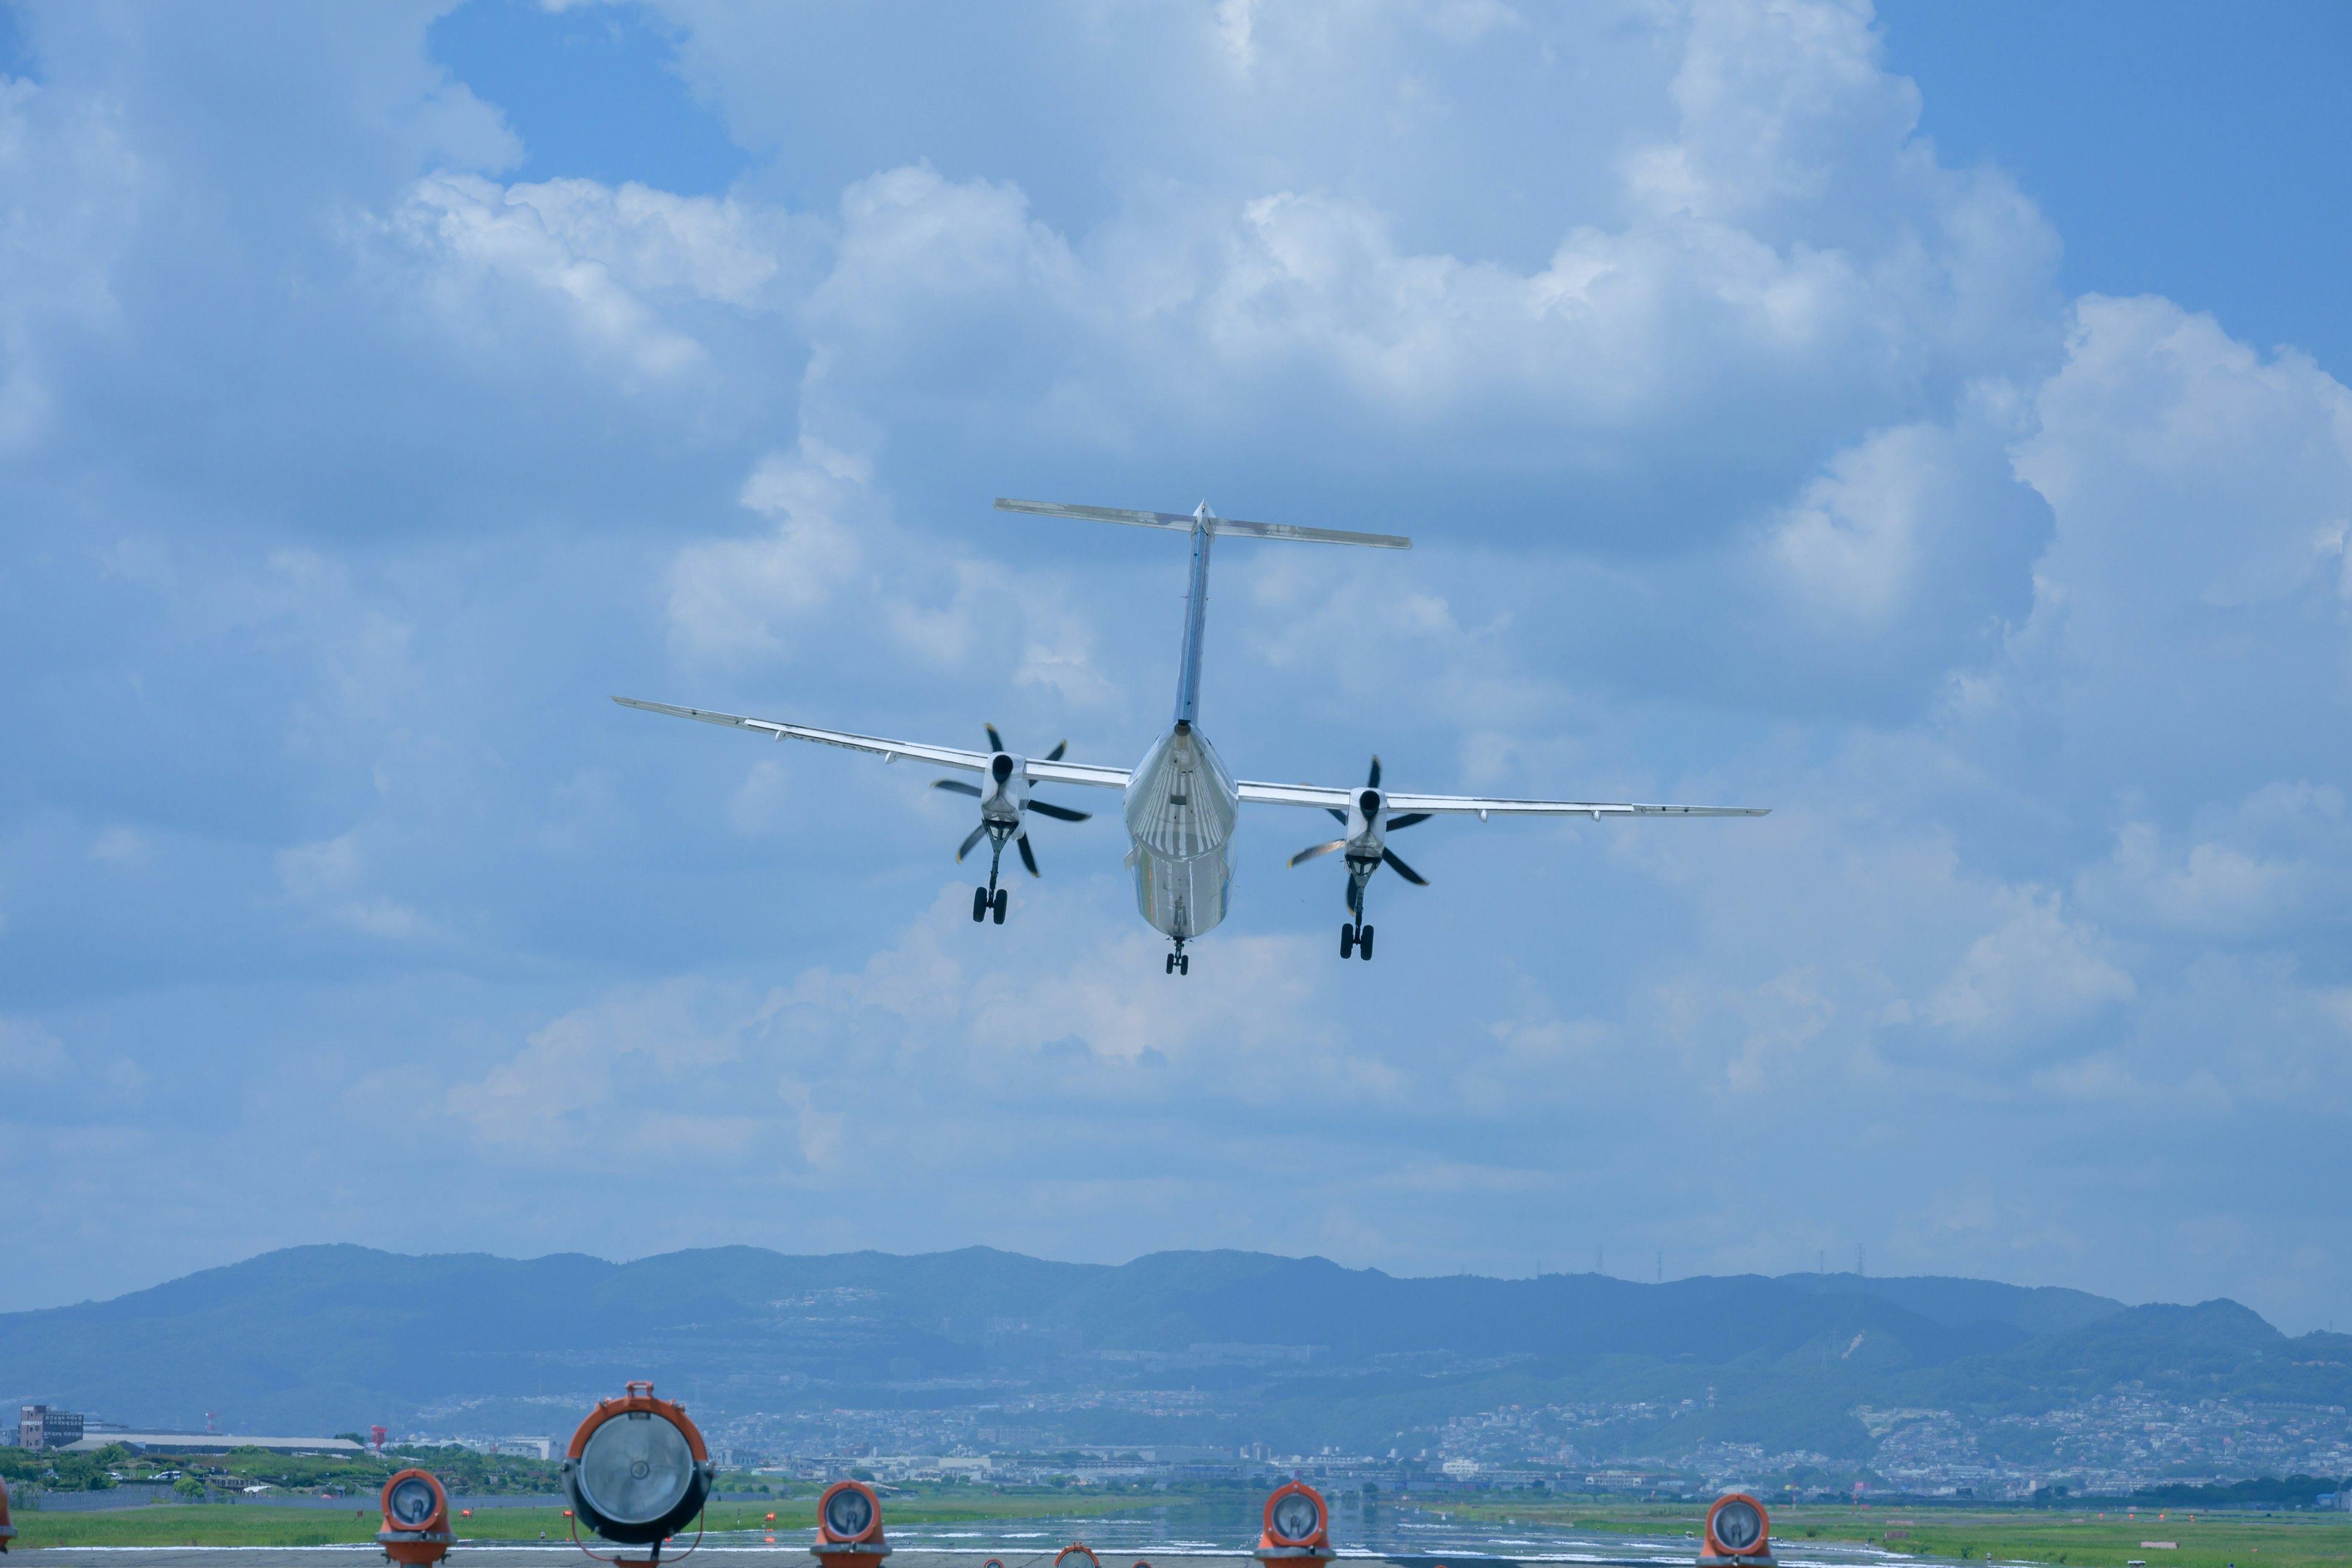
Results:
<point x="2107" y="1446"/>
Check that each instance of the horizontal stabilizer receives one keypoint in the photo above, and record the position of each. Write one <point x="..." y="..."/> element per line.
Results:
<point x="1185" y="523"/>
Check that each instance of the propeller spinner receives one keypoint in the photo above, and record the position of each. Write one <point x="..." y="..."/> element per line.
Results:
<point x="1366" y="848"/>
<point x="1003" y="803"/>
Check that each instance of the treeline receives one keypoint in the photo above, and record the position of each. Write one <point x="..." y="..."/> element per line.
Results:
<point x="2268" y="1491"/>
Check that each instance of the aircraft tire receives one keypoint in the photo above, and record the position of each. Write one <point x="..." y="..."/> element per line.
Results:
<point x="1348" y="941"/>
<point x="1364" y="944"/>
<point x="1184" y="964"/>
<point x="1171" y="963"/>
<point x="1004" y="895"/>
<point x="979" y="903"/>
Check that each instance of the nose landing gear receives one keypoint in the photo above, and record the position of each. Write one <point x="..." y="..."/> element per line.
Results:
<point x="1180" y="962"/>
<point x="1355" y="941"/>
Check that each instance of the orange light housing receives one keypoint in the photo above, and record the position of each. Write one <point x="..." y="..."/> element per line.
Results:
<point x="636" y="1469"/>
<point x="1738" y="1527"/>
<point x="1077" y="1554"/>
<point x="416" y="1519"/>
<point x="1297" y="1523"/>
<point x="849" y="1514"/>
<point x="7" y="1531"/>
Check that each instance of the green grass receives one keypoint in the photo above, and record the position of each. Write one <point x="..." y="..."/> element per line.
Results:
<point x="2067" y="1538"/>
<point x="218" y="1524"/>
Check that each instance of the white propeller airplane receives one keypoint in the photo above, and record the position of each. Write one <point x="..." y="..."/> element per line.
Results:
<point x="1182" y="800"/>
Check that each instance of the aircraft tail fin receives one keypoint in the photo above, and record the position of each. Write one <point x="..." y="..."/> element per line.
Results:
<point x="1183" y="522"/>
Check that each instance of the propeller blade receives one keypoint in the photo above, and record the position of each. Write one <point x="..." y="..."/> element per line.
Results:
<point x="1028" y="857"/>
<point x="958" y="785"/>
<point x="1336" y="813"/>
<point x="1312" y="850"/>
<point x="1410" y="819"/>
<point x="1058" y="813"/>
<point x="1373" y="780"/>
<point x="971" y="840"/>
<point x="1056" y="754"/>
<point x="995" y="741"/>
<point x="1401" y="870"/>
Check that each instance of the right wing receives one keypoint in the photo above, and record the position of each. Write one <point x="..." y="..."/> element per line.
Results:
<point x="1039" y="769"/>
<point x="1336" y="798"/>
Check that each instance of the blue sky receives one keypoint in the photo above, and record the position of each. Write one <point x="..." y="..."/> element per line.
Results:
<point x="1929" y="426"/>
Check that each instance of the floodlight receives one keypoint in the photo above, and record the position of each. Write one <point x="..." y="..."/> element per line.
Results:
<point x="849" y="1526"/>
<point x="1297" y="1523"/>
<point x="7" y="1531"/>
<point x="1738" y="1530"/>
<point x="849" y="1512"/>
<point x="637" y="1470"/>
<point x="1077" y="1554"/>
<point x="416" y="1519"/>
<point x="1296" y="1517"/>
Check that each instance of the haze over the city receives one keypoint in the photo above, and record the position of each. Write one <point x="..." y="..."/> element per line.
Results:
<point x="1928" y="423"/>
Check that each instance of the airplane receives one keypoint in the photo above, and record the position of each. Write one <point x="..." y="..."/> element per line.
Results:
<point x="1182" y="801"/>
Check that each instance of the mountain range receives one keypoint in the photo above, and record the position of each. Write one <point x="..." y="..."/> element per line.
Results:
<point x="1293" y="1352"/>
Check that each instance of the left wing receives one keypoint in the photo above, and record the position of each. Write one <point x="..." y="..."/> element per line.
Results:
<point x="1398" y="803"/>
<point x="1039" y="769"/>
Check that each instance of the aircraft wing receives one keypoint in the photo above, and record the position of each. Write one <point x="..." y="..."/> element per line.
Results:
<point x="1040" y="769"/>
<point x="1336" y="798"/>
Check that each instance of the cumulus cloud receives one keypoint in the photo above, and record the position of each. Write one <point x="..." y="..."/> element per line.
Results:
<point x="1751" y="457"/>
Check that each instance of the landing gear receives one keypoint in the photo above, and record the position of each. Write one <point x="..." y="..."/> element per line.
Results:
<point x="1180" y="962"/>
<point x="1355" y="942"/>
<point x="991" y="899"/>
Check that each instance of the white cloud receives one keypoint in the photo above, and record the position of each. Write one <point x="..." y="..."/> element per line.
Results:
<point x="2037" y="972"/>
<point x="27" y="1048"/>
<point x="327" y="876"/>
<point x="730" y="598"/>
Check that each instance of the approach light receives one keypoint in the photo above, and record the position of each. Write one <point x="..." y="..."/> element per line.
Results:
<point x="1077" y="1554"/>
<point x="416" y="1519"/>
<point x="1297" y="1524"/>
<point x="1738" y="1530"/>
<point x="7" y="1531"/>
<point x="637" y="1470"/>
<point x="849" y="1526"/>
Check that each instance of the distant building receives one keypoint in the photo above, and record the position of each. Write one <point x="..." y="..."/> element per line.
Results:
<point x="210" y="1443"/>
<point x="43" y="1426"/>
<point x="527" y="1447"/>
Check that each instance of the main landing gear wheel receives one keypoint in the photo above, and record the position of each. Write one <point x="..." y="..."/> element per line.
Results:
<point x="1002" y="895"/>
<point x="979" y="903"/>
<point x="1347" y="940"/>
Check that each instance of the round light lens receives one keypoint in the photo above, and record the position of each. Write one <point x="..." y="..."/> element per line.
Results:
<point x="411" y="1503"/>
<point x="848" y="1514"/>
<point x="636" y="1467"/>
<point x="1737" y="1525"/>
<point x="1296" y="1517"/>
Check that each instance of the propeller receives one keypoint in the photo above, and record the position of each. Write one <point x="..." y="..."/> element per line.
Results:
<point x="1043" y="807"/>
<point x="1388" y="855"/>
